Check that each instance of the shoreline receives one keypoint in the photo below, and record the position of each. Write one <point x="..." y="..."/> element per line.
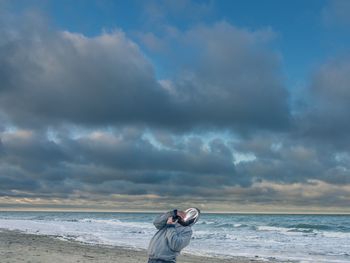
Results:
<point x="18" y="247"/>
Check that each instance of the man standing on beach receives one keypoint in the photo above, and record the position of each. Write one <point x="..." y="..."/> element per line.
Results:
<point x="174" y="233"/>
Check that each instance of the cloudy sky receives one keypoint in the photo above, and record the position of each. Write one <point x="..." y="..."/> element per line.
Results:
<point x="149" y="105"/>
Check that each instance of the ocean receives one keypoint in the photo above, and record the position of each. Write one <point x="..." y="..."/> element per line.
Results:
<point x="302" y="238"/>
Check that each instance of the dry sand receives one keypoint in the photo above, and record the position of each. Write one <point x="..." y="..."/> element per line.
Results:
<point x="18" y="247"/>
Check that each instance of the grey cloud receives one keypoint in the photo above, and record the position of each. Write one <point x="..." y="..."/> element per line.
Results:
<point x="50" y="77"/>
<point x="12" y="177"/>
<point x="30" y="151"/>
<point x="98" y="165"/>
<point x="117" y="159"/>
<point x="59" y="76"/>
<point x="140" y="154"/>
<point x="293" y="160"/>
<point x="325" y="121"/>
<point x="230" y="76"/>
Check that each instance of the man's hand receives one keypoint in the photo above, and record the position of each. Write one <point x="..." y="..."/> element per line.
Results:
<point x="170" y="221"/>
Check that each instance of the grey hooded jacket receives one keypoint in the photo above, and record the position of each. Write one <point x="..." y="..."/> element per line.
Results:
<point x="167" y="243"/>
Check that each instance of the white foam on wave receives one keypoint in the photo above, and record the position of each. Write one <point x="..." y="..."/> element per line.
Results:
<point x="297" y="231"/>
<point x="117" y="222"/>
<point x="273" y="228"/>
<point x="95" y="231"/>
<point x="336" y="234"/>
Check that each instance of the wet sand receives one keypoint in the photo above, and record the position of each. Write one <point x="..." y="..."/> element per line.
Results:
<point x="18" y="247"/>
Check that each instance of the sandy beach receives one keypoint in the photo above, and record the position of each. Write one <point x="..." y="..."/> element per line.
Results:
<point x="19" y="247"/>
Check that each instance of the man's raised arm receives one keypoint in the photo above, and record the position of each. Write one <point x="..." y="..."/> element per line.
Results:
<point x="160" y="221"/>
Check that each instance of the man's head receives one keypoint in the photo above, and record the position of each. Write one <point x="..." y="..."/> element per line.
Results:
<point x="181" y="214"/>
<point x="188" y="217"/>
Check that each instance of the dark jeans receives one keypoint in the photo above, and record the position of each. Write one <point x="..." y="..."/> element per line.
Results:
<point x="159" y="261"/>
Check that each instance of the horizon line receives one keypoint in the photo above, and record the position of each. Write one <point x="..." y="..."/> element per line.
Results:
<point x="161" y="211"/>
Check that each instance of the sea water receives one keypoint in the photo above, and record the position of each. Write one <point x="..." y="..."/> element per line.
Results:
<point x="301" y="238"/>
